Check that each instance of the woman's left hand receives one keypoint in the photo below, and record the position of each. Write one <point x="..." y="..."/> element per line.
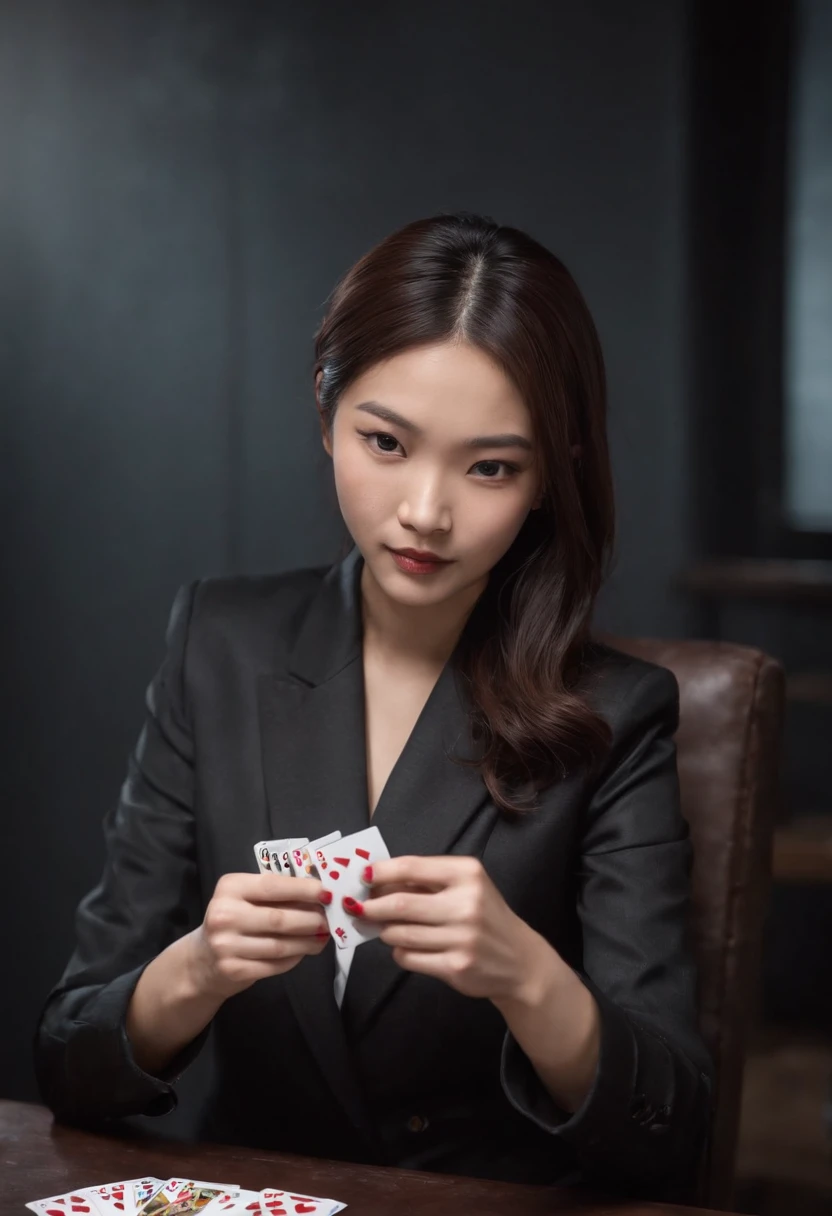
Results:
<point x="446" y="918"/>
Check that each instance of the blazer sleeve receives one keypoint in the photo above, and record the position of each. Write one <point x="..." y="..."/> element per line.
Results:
<point x="645" y="1123"/>
<point x="147" y="897"/>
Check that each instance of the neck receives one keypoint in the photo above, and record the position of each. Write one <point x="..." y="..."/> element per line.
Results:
<point x="419" y="637"/>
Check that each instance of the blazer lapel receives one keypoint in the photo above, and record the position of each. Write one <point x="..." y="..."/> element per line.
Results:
<point x="312" y="730"/>
<point x="315" y="768"/>
<point x="425" y="806"/>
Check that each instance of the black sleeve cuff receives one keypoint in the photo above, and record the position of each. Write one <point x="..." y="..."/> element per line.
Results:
<point x="98" y="1064"/>
<point x="646" y="1114"/>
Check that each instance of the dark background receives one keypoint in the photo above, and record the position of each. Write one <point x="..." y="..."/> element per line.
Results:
<point x="181" y="185"/>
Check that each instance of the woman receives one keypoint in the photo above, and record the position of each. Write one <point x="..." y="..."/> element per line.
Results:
<point x="528" y="1012"/>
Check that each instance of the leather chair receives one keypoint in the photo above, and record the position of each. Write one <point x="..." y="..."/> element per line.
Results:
<point x="728" y="751"/>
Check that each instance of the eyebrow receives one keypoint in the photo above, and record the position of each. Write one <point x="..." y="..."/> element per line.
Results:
<point x="506" y="440"/>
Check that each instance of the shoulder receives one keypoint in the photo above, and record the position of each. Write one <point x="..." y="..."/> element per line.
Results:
<point x="247" y="617"/>
<point x="629" y="692"/>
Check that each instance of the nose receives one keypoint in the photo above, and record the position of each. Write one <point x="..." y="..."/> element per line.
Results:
<point x="424" y="509"/>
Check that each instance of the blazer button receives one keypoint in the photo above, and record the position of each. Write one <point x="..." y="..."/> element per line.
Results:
<point x="417" y="1123"/>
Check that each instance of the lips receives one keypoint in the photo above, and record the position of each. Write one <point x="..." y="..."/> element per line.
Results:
<point x="420" y="557"/>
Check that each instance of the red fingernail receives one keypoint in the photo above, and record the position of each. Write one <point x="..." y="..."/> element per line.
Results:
<point x="367" y="874"/>
<point x="325" y="897"/>
<point x="353" y="906"/>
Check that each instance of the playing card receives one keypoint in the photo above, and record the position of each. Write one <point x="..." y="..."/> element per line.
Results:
<point x="185" y="1197"/>
<point x="115" y="1198"/>
<point x="143" y="1189"/>
<point x="179" y="1197"/>
<point x="286" y="1203"/>
<point x="267" y="854"/>
<point x="340" y="866"/>
<point x="73" y="1203"/>
<point x="287" y="847"/>
<point x="237" y="1201"/>
<point x="304" y="861"/>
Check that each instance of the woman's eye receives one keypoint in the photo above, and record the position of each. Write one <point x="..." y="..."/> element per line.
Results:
<point x="381" y="435"/>
<point x="512" y="469"/>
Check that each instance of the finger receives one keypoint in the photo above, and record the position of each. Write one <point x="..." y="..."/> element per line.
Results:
<point x="270" y="888"/>
<point x="429" y="938"/>
<point x="439" y="963"/>
<point x="432" y="872"/>
<point x="274" y="949"/>
<point x="283" y="888"/>
<point x="275" y="920"/>
<point x="436" y="908"/>
<point x="390" y="888"/>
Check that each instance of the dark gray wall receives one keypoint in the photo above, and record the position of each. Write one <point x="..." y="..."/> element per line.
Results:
<point x="182" y="184"/>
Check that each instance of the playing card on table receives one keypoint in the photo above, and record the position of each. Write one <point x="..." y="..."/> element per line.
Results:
<point x="144" y="1189"/>
<point x="73" y="1203"/>
<point x="304" y="858"/>
<point x="340" y="866"/>
<point x="185" y="1197"/>
<point x="114" y="1198"/>
<point x="236" y="1201"/>
<point x="287" y="1203"/>
<point x="180" y="1197"/>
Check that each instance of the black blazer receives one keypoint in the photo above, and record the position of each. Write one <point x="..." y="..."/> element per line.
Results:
<point x="255" y="729"/>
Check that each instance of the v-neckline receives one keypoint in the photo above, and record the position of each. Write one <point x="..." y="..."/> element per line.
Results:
<point x="373" y="812"/>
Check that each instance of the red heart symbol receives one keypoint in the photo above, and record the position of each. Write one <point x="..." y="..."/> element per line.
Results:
<point x="334" y="874"/>
<point x="55" y="1211"/>
<point x="305" y="1207"/>
<point x="363" y="853"/>
<point x="342" y="861"/>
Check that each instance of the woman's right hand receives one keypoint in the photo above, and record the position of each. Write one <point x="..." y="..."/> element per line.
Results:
<point x="256" y="925"/>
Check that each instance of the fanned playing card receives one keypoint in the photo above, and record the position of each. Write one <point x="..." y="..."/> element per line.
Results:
<point x="340" y="866"/>
<point x="117" y="1198"/>
<point x="73" y="1203"/>
<point x="304" y="858"/>
<point x="267" y="854"/>
<point x="186" y="1197"/>
<point x="144" y="1189"/>
<point x="286" y="850"/>
<point x="237" y="1202"/>
<point x="183" y="1197"/>
<point x="287" y="1203"/>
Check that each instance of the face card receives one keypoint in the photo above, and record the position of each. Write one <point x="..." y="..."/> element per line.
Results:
<point x="179" y="1196"/>
<point x="191" y="1198"/>
<point x="304" y="861"/>
<point x="116" y="1198"/>
<point x="144" y="1189"/>
<point x="340" y="866"/>
<point x="267" y="855"/>
<point x="286" y="851"/>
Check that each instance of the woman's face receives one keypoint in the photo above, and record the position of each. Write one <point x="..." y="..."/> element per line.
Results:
<point x="419" y="482"/>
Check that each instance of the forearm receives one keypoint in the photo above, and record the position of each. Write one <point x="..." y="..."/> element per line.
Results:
<point x="555" y="1020"/>
<point x="168" y="1009"/>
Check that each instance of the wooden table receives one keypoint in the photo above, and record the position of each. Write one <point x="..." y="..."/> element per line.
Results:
<point x="39" y="1158"/>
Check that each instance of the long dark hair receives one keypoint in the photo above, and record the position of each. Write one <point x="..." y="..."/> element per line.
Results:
<point x="520" y="655"/>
